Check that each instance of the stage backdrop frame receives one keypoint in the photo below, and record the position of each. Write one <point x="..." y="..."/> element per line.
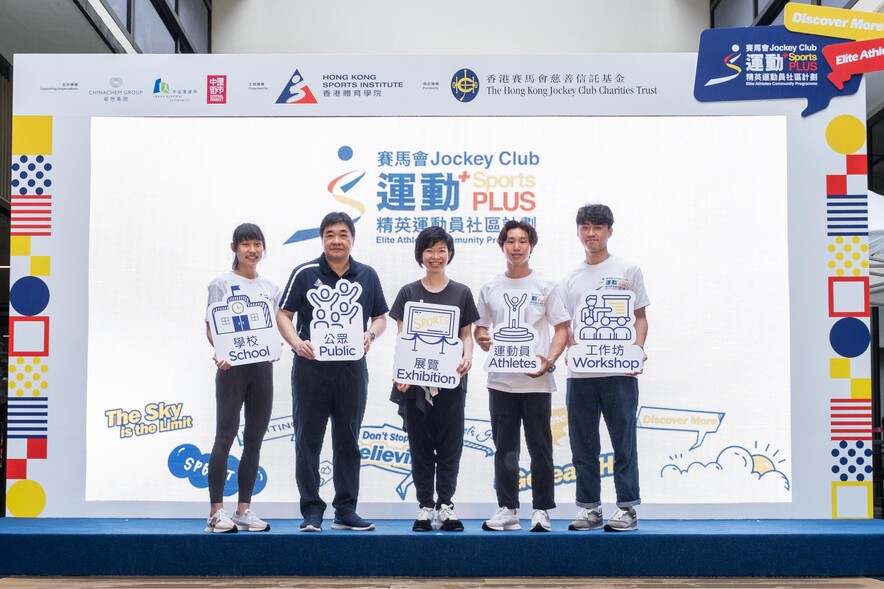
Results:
<point x="56" y="98"/>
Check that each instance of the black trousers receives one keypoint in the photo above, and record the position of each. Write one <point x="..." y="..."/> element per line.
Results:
<point x="435" y="439"/>
<point x="323" y="392"/>
<point x="249" y="386"/>
<point x="509" y="411"/>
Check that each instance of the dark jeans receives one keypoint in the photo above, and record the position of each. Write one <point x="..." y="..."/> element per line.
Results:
<point x="508" y="412"/>
<point x="436" y="443"/>
<point x="323" y="391"/>
<point x="249" y="385"/>
<point x="615" y="398"/>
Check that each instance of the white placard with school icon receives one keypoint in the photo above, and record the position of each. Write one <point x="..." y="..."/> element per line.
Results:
<point x="336" y="330"/>
<point x="244" y="328"/>
<point x="604" y="328"/>
<point x="428" y="350"/>
<point x="513" y="347"/>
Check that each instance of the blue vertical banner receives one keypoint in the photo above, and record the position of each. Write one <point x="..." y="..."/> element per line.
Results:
<point x="765" y="63"/>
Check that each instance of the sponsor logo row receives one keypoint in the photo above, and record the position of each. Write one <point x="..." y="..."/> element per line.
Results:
<point x="297" y="89"/>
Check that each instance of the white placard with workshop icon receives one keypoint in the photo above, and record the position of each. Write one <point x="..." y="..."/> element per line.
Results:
<point x="604" y="328"/>
<point x="429" y="350"/>
<point x="337" y="330"/>
<point x="513" y="347"/>
<point x="244" y="328"/>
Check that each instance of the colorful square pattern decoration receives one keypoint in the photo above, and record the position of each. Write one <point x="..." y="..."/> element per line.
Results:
<point x="31" y="135"/>
<point x="28" y="376"/>
<point x="848" y="256"/>
<point x="32" y="178"/>
<point x="28" y="419"/>
<point x="852" y="500"/>
<point x="847" y="207"/>
<point x="852" y="461"/>
<point x="29" y="336"/>
<point x="849" y="296"/>
<point x="847" y="226"/>
<point x="851" y="419"/>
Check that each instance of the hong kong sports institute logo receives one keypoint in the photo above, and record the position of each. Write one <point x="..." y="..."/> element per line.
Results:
<point x="296" y="91"/>
<point x="465" y="85"/>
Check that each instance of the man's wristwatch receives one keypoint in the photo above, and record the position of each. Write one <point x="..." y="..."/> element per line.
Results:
<point x="552" y="366"/>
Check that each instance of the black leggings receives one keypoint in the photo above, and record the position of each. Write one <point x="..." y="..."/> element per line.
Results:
<point x="249" y="385"/>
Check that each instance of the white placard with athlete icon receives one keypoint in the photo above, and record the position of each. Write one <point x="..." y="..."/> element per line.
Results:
<point x="513" y="344"/>
<point x="604" y="328"/>
<point x="244" y="328"/>
<point x="429" y="350"/>
<point x="336" y="330"/>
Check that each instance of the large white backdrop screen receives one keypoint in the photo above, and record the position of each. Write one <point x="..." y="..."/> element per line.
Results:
<point x="167" y="193"/>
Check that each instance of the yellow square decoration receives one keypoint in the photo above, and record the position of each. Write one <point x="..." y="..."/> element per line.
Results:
<point x="852" y="500"/>
<point x="31" y="135"/>
<point x="20" y="245"/>
<point x="839" y="367"/>
<point x="860" y="388"/>
<point x="40" y="266"/>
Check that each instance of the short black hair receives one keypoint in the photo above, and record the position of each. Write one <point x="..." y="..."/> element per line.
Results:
<point x="513" y="224"/>
<point x="337" y="217"/>
<point x="430" y="237"/>
<point x="246" y="232"/>
<point x="595" y="214"/>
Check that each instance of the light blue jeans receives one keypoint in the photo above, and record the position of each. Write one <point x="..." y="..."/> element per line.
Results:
<point x="616" y="399"/>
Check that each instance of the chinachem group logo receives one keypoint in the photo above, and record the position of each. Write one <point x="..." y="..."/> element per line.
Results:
<point x="465" y="85"/>
<point x="296" y="91"/>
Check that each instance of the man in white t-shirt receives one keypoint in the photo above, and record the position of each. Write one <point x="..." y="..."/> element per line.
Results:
<point x="594" y="395"/>
<point x="522" y="398"/>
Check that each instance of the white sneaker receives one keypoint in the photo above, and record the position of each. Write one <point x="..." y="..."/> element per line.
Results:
<point x="249" y="522"/>
<point x="424" y="521"/>
<point x="623" y="520"/>
<point x="448" y="521"/>
<point x="220" y="522"/>
<point x="587" y="519"/>
<point x="540" y="521"/>
<point x="503" y="519"/>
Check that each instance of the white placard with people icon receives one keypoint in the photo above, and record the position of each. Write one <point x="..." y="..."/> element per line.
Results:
<point x="428" y="350"/>
<point x="513" y="347"/>
<point x="336" y="330"/>
<point x="244" y="328"/>
<point x="604" y="329"/>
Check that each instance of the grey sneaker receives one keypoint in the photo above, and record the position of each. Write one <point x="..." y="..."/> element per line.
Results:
<point x="540" y="521"/>
<point x="587" y="519"/>
<point x="503" y="519"/>
<point x="249" y="522"/>
<point x="220" y="522"/>
<point x="624" y="520"/>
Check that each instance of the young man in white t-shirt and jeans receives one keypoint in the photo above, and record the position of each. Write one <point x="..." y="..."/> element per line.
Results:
<point x="522" y="398"/>
<point x="613" y="396"/>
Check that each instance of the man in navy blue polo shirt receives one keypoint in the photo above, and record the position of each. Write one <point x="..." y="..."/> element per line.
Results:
<point x="329" y="389"/>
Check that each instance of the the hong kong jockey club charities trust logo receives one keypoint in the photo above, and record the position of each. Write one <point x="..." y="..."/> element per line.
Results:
<point x="296" y="91"/>
<point x="465" y="85"/>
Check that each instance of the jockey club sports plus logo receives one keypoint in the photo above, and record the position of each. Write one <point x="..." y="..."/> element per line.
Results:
<point x="465" y="85"/>
<point x="296" y="91"/>
<point x="729" y="60"/>
<point x="338" y="187"/>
